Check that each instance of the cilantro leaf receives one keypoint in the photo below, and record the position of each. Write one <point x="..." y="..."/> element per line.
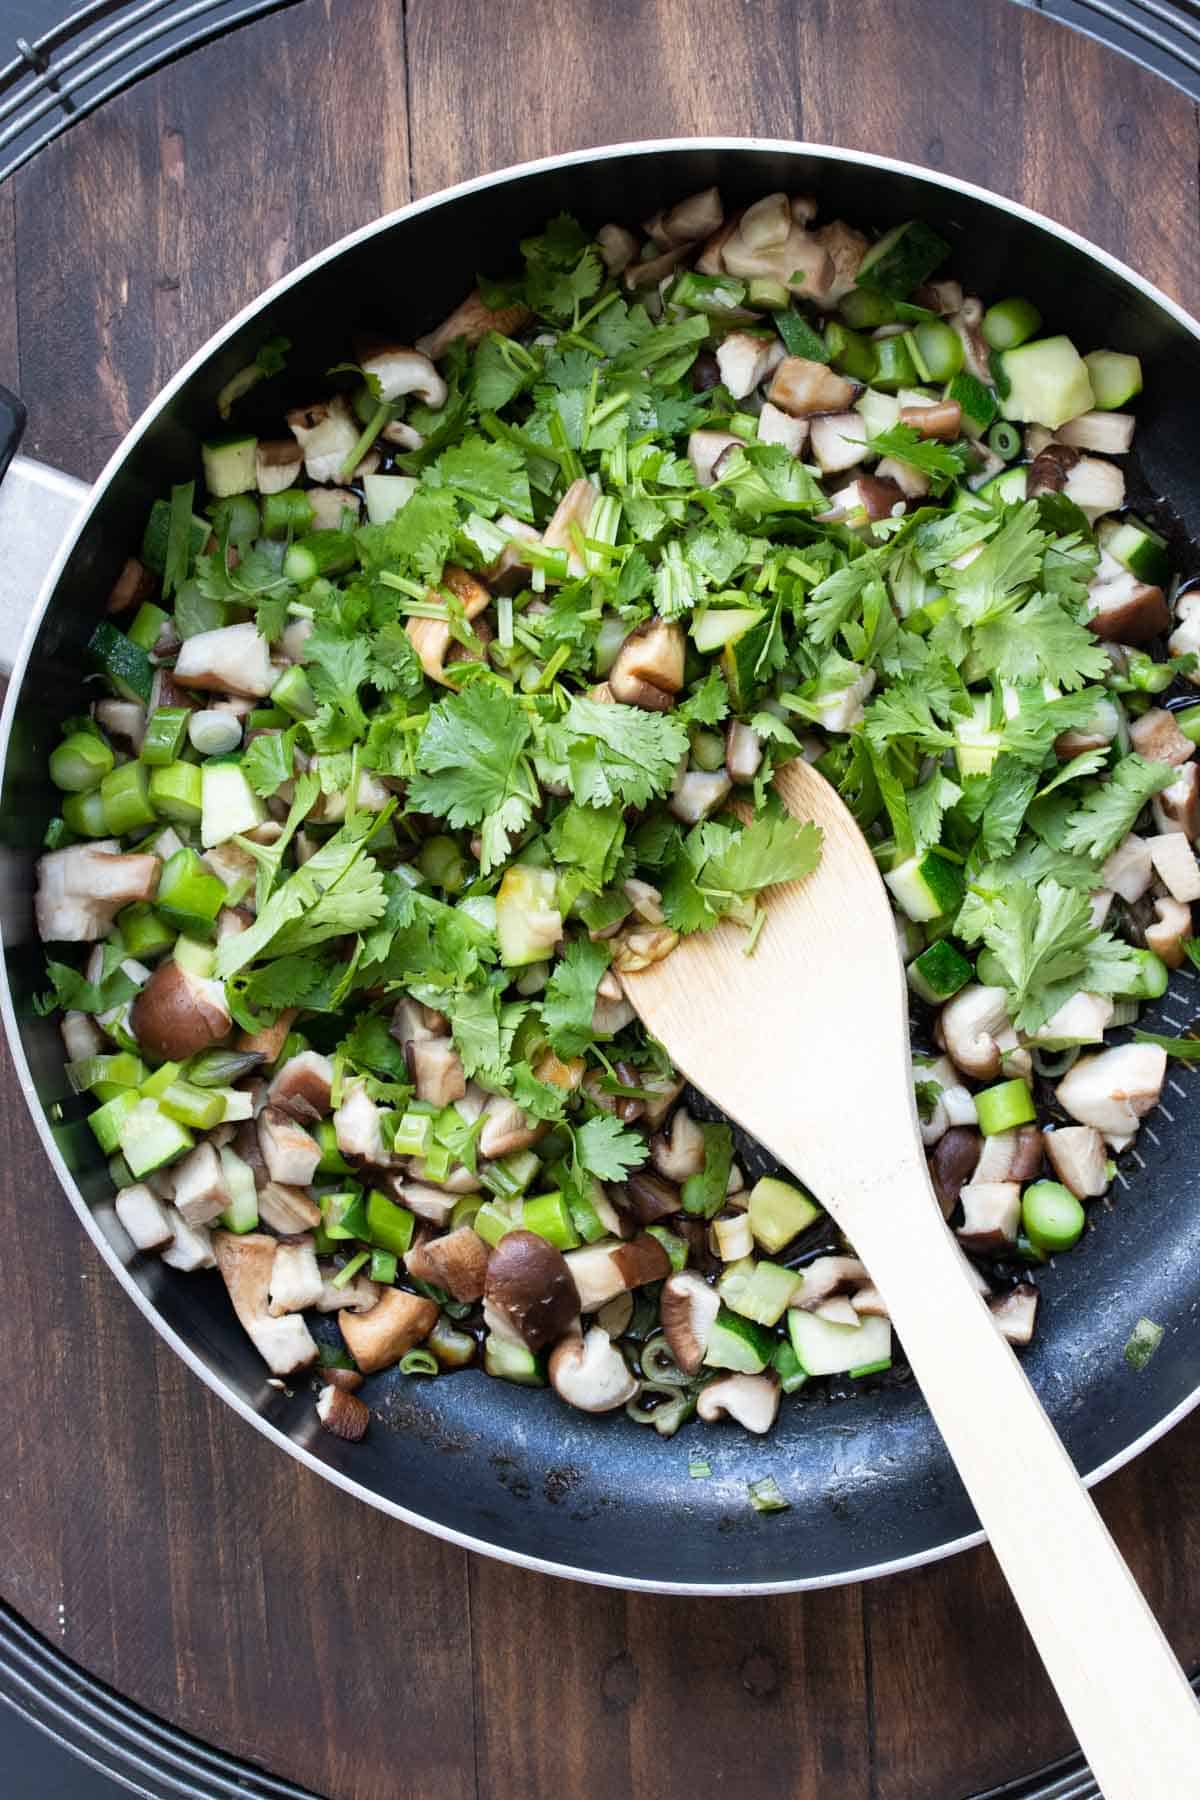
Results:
<point x="1048" y="948"/>
<point x="491" y="476"/>
<point x="615" y="753"/>
<point x="927" y="807"/>
<point x="1109" y="810"/>
<point x="267" y="761"/>
<point x="604" y="1148"/>
<point x="417" y="540"/>
<point x="1184" y="1049"/>
<point x="571" y="996"/>
<point x="72" y="992"/>
<point x="944" y="463"/>
<point x="768" y="851"/>
<point x="473" y="768"/>
<point x="370" y="1046"/>
<point x="337" y="891"/>
<point x="1009" y="562"/>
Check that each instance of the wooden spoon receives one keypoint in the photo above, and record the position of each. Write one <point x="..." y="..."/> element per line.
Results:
<point x="805" y="1044"/>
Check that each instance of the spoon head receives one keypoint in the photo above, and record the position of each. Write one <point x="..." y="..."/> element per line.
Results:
<point x="805" y="1041"/>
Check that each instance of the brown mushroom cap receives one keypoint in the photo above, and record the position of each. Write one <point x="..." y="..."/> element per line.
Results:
<point x="952" y="1163"/>
<point x="342" y="1413"/>
<point x="530" y="1284"/>
<point x="651" y="1197"/>
<point x="381" y="1336"/>
<point x="176" y="1014"/>
<point x="641" y="1260"/>
<point x="457" y="1262"/>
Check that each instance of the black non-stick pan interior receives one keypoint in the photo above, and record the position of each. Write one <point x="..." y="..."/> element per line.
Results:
<point x="868" y="1481"/>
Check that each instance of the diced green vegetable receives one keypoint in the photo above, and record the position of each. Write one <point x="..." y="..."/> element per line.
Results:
<point x="1116" y="378"/>
<point x="938" y="973"/>
<point x="1047" y="382"/>
<point x="825" y="1348"/>
<point x="1053" y="1218"/>
<point x="738" y="1343"/>
<point x="1004" y="1107"/>
<point x="758" y="1290"/>
<point x="901" y="260"/>
<point x="926" y="886"/>
<point x="229" y="465"/>
<point x="779" y="1212"/>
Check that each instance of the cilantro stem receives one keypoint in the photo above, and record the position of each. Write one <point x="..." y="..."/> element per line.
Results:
<point x="366" y="438"/>
<point x="402" y="585"/>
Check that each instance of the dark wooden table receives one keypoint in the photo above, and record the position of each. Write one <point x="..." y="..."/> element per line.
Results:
<point x="143" y="1527"/>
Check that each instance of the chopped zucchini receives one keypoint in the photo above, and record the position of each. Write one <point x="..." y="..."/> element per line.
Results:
<point x="824" y="1348"/>
<point x="1141" y="550"/>
<point x="125" y="663"/>
<point x="229" y="803"/>
<point x="779" y="1212"/>
<point x="938" y="972"/>
<point x="229" y="465"/>
<point x="739" y="1344"/>
<point x="716" y="626"/>
<point x="926" y="886"/>
<point x="1048" y="382"/>
<point x="902" y="259"/>
<point x="757" y="1290"/>
<point x="1115" y="378"/>
<point x="528" y="923"/>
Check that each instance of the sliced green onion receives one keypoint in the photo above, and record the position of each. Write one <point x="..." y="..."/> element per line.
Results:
<point x="419" y="1362"/>
<point x="220" y="1068"/>
<point x="80" y="762"/>
<point x="384" y="1267"/>
<point x="766" y="1496"/>
<point x="659" y="1365"/>
<point x="1004" y="440"/>
<point x="698" y="1469"/>
<point x="346" y="1275"/>
<point x="1009" y="323"/>
<point x="1052" y="1216"/>
<point x="1005" y="1106"/>
<point x="665" y="1408"/>
<point x="1143" y="1342"/>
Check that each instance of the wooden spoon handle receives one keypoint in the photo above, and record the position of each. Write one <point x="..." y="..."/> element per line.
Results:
<point x="1117" y="1677"/>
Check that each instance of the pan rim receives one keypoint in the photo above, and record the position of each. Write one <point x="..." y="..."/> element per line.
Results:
<point x="570" y="159"/>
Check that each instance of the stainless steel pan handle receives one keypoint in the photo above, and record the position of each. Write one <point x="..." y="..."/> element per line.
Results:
<point x="38" y="506"/>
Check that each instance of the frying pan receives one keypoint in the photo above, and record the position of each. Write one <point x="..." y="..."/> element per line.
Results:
<point x="512" y="1472"/>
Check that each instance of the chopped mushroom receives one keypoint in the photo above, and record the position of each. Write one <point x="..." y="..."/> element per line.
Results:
<point x="471" y="321"/>
<point x="1158" y="738"/>
<point x="122" y="719"/>
<point x="343" y="1414"/>
<point x="233" y="659"/>
<point x="457" y="1262"/>
<point x="329" y="507"/>
<point x="303" y="1086"/>
<point x="437" y="1071"/>
<point x="296" y="1279"/>
<point x="529" y="1285"/>
<point x="1010" y="1155"/>
<point x="839" y="441"/>
<point x="843" y="708"/>
<point x="191" y="1246"/>
<point x="246" y="1262"/>
<point x="617" y="247"/>
<point x="590" y="1373"/>
<point x="952" y="1164"/>
<point x="991" y="1214"/>
<point x="1129" y="870"/>
<point x="743" y="754"/>
<point x="432" y="638"/>
<point x="801" y="388"/>
<point x="201" y="1191"/>
<point x="506" y="1129"/>
<point x="1176" y="867"/>
<point x="974" y="1026"/>
<point x="746" y="360"/>
<point x="133" y="585"/>
<point x="356" y="1125"/>
<point x="688" y="1308"/>
<point x="697" y="793"/>
<point x="1079" y="1159"/>
<point x="327" y="433"/>
<point x="1083" y="1019"/>
<point x="650" y="1198"/>
<point x="290" y="1153"/>
<point x="752" y="1400"/>
<point x="359" y="1295"/>
<point x="679" y="1153"/>
<point x="1177" y="808"/>
<point x="707" y="451"/>
<point x="1172" y="929"/>
<point x="774" y="427"/>
<point x="1125" y="610"/>
<point x="824" y="1277"/>
<point x="1114" y="1090"/>
<point x="144" y="1217"/>
<point x="1016" y="1312"/>
<point x="400" y="370"/>
<point x="648" y="669"/>
<point x="81" y="889"/>
<point x="178" y="1014"/>
<point x="82" y="1036"/>
<point x="277" y="464"/>
<point x="389" y="1330"/>
<point x="942" y="419"/>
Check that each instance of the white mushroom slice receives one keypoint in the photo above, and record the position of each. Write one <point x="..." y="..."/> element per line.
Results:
<point x="144" y="1217"/>
<point x="767" y="224"/>
<point x="824" y="1277"/>
<point x="617" y="247"/>
<point x="81" y="889"/>
<point x="838" y="1310"/>
<point x="233" y="659"/>
<point x="688" y="1308"/>
<point x="697" y="794"/>
<point x="869" y="1303"/>
<point x="1097" y="487"/>
<point x="1185" y="639"/>
<point x="913" y="483"/>
<point x="845" y="249"/>
<point x="1123" y="609"/>
<point x="573" y="510"/>
<point x="471" y="320"/>
<point x="277" y="464"/>
<point x="432" y="1203"/>
<point x="438" y="1071"/>
<point x="991" y="1214"/>
<point x="966" y="323"/>
<point x="845" y="707"/>
<point x="798" y="263"/>
<point x="1172" y="928"/>
<point x="971" y="1025"/>
<point x="356" y="1125"/>
<point x="706" y="451"/>
<point x="680" y="1152"/>
<point x="400" y="371"/>
<point x="81" y="1036"/>
<point x="327" y="434"/>
<point x="191" y="1246"/>
<point x="329" y="507"/>
<point x="752" y="1400"/>
<point x="590" y="1373"/>
<point x="303" y="1086"/>
<point x="1114" y="1090"/>
<point x="612" y="1011"/>
<point x="597" y="1277"/>
<point x="648" y="668"/>
<point x="746" y="360"/>
<point x="287" y="1209"/>
<point x="1016" y="1312"/>
<point x="505" y="1128"/>
<point x="1083" y="1019"/>
<point x="1077" y="1155"/>
<point x="839" y="441"/>
<point x="1129" y="870"/>
<point x="1176" y="866"/>
<point x="290" y="1153"/>
<point x="645" y="899"/>
<point x="1010" y="1155"/>
<point x="1109" y="432"/>
<point x="743" y="753"/>
<point x="1177" y="808"/>
<point x="777" y="427"/>
<point x="245" y="1263"/>
<point x="296" y="1279"/>
<point x="1158" y="738"/>
<point x="122" y="719"/>
<point x="801" y="387"/>
<point x="358" y="1295"/>
<point x="201" y="1191"/>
